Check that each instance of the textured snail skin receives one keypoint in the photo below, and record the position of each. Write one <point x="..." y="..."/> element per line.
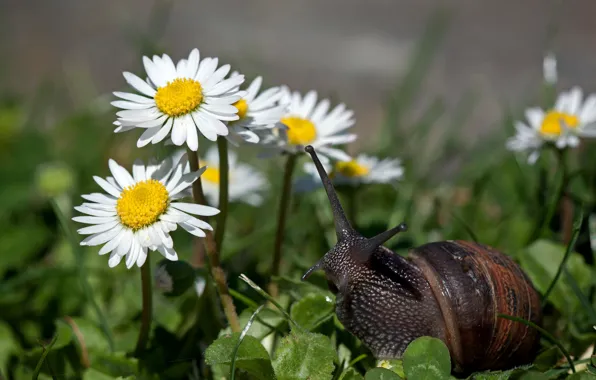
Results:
<point x="387" y="302"/>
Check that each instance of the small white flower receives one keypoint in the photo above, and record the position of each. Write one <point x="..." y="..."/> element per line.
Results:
<point x="245" y="183"/>
<point x="549" y="68"/>
<point x="140" y="210"/>
<point x="563" y="125"/>
<point x="179" y="99"/>
<point x="363" y="169"/>
<point x="310" y="123"/>
<point x="256" y="111"/>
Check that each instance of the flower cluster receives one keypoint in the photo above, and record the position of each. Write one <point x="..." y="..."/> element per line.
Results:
<point x="562" y="126"/>
<point x="177" y="103"/>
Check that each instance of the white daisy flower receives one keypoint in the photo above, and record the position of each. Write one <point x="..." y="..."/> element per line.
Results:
<point x="178" y="99"/>
<point x="364" y="169"/>
<point x="310" y="123"/>
<point x="140" y="210"/>
<point x="256" y="111"/>
<point x="549" y="68"/>
<point x="245" y="184"/>
<point x="563" y="125"/>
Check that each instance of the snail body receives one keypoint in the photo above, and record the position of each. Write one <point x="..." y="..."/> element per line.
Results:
<point x="451" y="290"/>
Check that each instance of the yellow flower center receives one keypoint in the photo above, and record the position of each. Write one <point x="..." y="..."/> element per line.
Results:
<point x="351" y="169"/>
<point x="242" y="108"/>
<point x="211" y="175"/>
<point x="300" y="131"/>
<point x="551" y="124"/>
<point x="179" y="97"/>
<point x="140" y="205"/>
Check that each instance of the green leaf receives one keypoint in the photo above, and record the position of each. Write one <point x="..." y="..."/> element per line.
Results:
<point x="116" y="364"/>
<point x="94" y="338"/>
<point x="381" y="374"/>
<point x="304" y="356"/>
<point x="496" y="375"/>
<point x="533" y="375"/>
<point x="541" y="261"/>
<point x="547" y="359"/>
<point x="92" y="374"/>
<point x="395" y="365"/>
<point x="251" y="356"/>
<point x="64" y="333"/>
<point x="312" y="310"/>
<point x="427" y="358"/>
<point x="351" y="374"/>
<point x="582" y="376"/>
<point x="8" y="345"/>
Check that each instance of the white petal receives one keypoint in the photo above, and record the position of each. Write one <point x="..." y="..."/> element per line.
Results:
<point x="163" y="132"/>
<point x="225" y="86"/>
<point x="194" y="208"/>
<point x="199" y="224"/>
<point x="148" y="136"/>
<point x="107" y="186"/>
<point x="185" y="182"/>
<point x="138" y="170"/>
<point x="102" y="237"/>
<point x="142" y="257"/>
<point x="139" y="84"/>
<point x="131" y="258"/>
<point x="121" y="175"/>
<point x="193" y="230"/>
<point x="192" y="137"/>
<point x="174" y="216"/>
<point x="95" y="219"/>
<point x="575" y="100"/>
<point x="114" y="259"/>
<point x="112" y="244"/>
<point x="95" y="229"/>
<point x="168" y="253"/>
<point x="204" y="125"/>
<point x="206" y="69"/>
<point x="125" y="244"/>
<point x="95" y="212"/>
<point x="123" y="104"/>
<point x="134" y="97"/>
<point x="154" y="73"/>
<point x="100" y="198"/>
<point x="192" y="64"/>
<point x="179" y="132"/>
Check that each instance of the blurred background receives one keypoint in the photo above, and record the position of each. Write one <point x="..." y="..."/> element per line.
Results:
<point x="353" y="50"/>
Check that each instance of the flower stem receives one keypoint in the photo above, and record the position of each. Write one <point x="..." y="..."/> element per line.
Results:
<point x="560" y="192"/>
<point x="284" y="204"/>
<point x="222" y="147"/>
<point x="147" y="308"/>
<point x="219" y="276"/>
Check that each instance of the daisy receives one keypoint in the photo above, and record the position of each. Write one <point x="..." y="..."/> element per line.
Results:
<point x="245" y="183"/>
<point x="363" y="169"/>
<point x="562" y="126"/>
<point x="178" y="100"/>
<point x="138" y="211"/>
<point x="256" y="111"/>
<point x="310" y="123"/>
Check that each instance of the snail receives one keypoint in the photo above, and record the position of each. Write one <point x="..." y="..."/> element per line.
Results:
<point x="451" y="290"/>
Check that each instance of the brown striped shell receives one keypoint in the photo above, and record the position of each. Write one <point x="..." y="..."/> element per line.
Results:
<point x="473" y="284"/>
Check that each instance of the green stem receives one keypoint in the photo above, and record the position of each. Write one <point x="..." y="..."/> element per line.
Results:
<point x="147" y="308"/>
<point x="576" y="230"/>
<point x="217" y="272"/>
<point x="224" y="174"/>
<point x="284" y="204"/>
<point x="82" y="273"/>
<point x="562" y="167"/>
